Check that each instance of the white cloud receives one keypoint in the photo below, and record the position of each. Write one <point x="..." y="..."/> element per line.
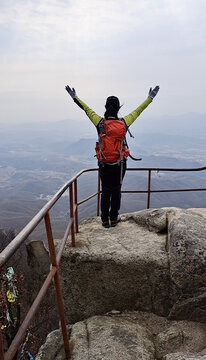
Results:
<point x="101" y="47"/>
<point x="53" y="28"/>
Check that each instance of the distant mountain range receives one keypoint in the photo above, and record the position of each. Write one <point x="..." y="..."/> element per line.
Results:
<point x="191" y="124"/>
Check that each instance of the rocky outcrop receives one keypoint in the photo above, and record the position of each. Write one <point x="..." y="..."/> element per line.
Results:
<point x="154" y="260"/>
<point x="182" y="356"/>
<point x="129" y="336"/>
<point x="38" y="257"/>
<point x="187" y="260"/>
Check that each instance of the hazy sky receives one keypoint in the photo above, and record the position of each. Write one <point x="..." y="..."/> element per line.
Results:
<point x="102" y="48"/>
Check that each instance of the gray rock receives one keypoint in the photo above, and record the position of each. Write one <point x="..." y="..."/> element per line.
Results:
<point x="152" y="219"/>
<point x="187" y="260"/>
<point x="180" y="336"/>
<point x="154" y="260"/>
<point x="168" y="340"/>
<point x="112" y="338"/>
<point x="182" y="356"/>
<point x="52" y="347"/>
<point x="38" y="257"/>
<point x="102" y="338"/>
<point x="120" y="268"/>
<point x="191" y="308"/>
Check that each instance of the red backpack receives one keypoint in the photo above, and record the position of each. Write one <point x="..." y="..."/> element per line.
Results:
<point x="112" y="146"/>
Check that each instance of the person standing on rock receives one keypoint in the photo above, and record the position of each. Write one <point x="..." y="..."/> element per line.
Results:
<point x="111" y="150"/>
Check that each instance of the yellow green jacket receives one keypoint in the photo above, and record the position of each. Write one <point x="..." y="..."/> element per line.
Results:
<point x="129" y="119"/>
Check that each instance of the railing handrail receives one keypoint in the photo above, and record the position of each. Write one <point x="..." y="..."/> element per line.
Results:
<point x="166" y="169"/>
<point x="55" y="259"/>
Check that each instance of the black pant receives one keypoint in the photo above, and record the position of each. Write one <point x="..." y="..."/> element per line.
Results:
<point x="111" y="189"/>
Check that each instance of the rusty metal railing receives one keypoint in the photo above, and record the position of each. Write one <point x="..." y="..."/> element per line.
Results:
<point x="149" y="191"/>
<point x="72" y="228"/>
<point x="54" y="258"/>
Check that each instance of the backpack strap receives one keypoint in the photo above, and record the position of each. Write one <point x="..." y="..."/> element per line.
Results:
<point x="131" y="157"/>
<point x="100" y="127"/>
<point x="127" y="128"/>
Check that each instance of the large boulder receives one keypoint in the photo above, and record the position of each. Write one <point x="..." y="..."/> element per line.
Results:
<point x="102" y="338"/>
<point x="125" y="267"/>
<point x="187" y="261"/>
<point x="154" y="260"/>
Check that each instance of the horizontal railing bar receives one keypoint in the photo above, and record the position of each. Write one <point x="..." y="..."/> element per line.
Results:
<point x="166" y="169"/>
<point x="68" y="229"/>
<point x="158" y="191"/>
<point x="79" y="174"/>
<point x="177" y="190"/>
<point x="84" y="200"/>
<point x="32" y="311"/>
<point x="143" y="169"/>
<point x="134" y="191"/>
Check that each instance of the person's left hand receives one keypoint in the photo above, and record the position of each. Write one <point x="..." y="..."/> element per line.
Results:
<point x="71" y="92"/>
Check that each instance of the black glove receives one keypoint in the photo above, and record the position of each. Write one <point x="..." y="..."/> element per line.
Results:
<point x="71" y="92"/>
<point x="153" y="93"/>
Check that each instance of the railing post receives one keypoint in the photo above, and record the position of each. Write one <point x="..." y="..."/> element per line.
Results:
<point x="1" y="347"/>
<point x="76" y="206"/>
<point x="72" y="214"/>
<point x="148" y="189"/>
<point x="98" y="195"/>
<point x="57" y="285"/>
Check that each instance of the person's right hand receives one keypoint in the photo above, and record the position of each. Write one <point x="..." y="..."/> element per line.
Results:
<point x="71" y="92"/>
<point x="153" y="92"/>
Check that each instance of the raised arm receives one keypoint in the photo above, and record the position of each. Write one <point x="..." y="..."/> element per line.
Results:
<point x="90" y="113"/>
<point x="129" y="119"/>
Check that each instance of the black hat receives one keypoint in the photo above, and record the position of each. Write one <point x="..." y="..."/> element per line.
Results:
<point x="112" y="101"/>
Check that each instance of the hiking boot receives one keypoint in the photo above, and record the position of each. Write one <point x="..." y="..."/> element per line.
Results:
<point x="116" y="221"/>
<point x="105" y="224"/>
